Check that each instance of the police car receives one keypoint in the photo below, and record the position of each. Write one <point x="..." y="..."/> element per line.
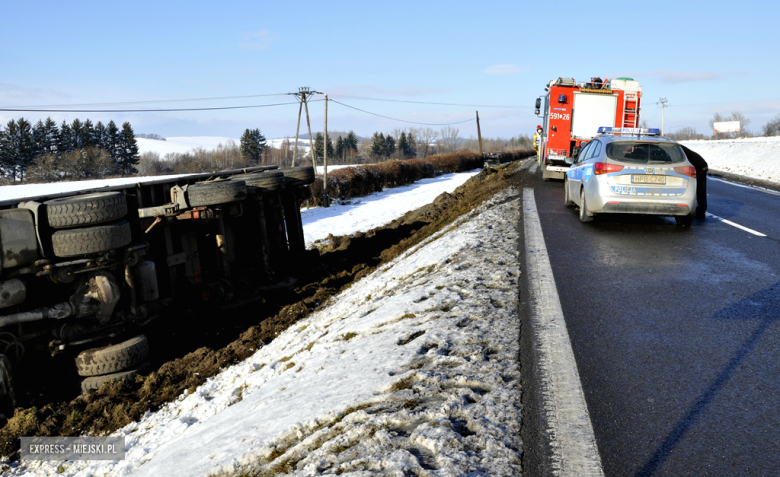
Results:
<point x="631" y="171"/>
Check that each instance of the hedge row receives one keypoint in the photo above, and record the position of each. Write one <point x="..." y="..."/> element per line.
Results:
<point x="360" y="181"/>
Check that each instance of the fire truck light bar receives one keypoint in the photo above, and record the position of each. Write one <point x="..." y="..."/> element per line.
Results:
<point x="630" y="131"/>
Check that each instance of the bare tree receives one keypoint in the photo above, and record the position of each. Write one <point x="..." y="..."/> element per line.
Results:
<point x="449" y="139"/>
<point x="425" y="138"/>
<point x="735" y="116"/>
<point x="772" y="127"/>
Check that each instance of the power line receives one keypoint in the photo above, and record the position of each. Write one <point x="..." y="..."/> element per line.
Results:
<point x="396" y="119"/>
<point x="147" y="101"/>
<point x="433" y="103"/>
<point x="139" y="110"/>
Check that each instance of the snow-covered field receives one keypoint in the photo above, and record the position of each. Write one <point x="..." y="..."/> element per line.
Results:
<point x="184" y="144"/>
<point x="365" y="213"/>
<point x="756" y="157"/>
<point x="411" y="371"/>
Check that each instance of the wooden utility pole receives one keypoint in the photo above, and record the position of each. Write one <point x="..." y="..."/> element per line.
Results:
<point x="297" y="130"/>
<point x="325" y="197"/>
<point x="303" y="95"/>
<point x="479" y="135"/>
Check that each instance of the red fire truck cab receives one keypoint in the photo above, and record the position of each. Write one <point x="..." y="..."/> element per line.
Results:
<point x="572" y="113"/>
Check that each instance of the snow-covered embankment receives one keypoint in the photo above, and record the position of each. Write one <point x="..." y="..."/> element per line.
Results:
<point x="412" y="370"/>
<point x="755" y="157"/>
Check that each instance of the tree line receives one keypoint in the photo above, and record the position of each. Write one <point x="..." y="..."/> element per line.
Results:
<point x="686" y="133"/>
<point x="79" y="150"/>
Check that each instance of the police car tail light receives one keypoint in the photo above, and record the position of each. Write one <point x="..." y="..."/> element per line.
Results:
<point x="605" y="168"/>
<point x="686" y="170"/>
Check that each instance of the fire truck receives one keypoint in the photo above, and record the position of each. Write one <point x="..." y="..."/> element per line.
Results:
<point x="572" y="112"/>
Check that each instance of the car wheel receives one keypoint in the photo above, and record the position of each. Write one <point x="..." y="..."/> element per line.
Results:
<point x="584" y="217"/>
<point x="88" y="240"/>
<point x="86" y="209"/>
<point x="214" y="193"/>
<point x="566" y="197"/>
<point x="114" y="358"/>
<point x="684" y="220"/>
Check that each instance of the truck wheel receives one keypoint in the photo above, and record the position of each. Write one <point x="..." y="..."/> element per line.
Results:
<point x="7" y="401"/>
<point x="94" y="383"/>
<point x="584" y="217"/>
<point x="86" y="209"/>
<point x="302" y="174"/>
<point x="566" y="198"/>
<point x="273" y="181"/>
<point x="84" y="241"/>
<point x="118" y="357"/>
<point x="213" y="193"/>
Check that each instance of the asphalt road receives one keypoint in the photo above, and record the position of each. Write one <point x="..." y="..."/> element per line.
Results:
<point x="676" y="332"/>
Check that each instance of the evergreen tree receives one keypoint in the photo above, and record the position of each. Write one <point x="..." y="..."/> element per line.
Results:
<point x="404" y="150"/>
<point x="319" y="146"/>
<point x="99" y="136"/>
<point x="87" y="135"/>
<point x="253" y="144"/>
<point x="65" y="143"/>
<point x="39" y="138"/>
<point x="127" y="149"/>
<point x="8" y="149"/>
<point x="351" y="145"/>
<point x="412" y="144"/>
<point x="76" y="133"/>
<point x="389" y="145"/>
<point x="378" y="145"/>
<point x="340" y="150"/>
<point x="51" y="137"/>
<point x="111" y="141"/>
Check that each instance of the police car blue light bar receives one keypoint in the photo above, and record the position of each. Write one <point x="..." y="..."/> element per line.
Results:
<point x="630" y="131"/>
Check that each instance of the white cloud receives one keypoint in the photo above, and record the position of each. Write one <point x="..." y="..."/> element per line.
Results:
<point x="259" y="40"/>
<point x="503" y="70"/>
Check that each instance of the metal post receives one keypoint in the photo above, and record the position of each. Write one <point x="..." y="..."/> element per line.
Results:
<point x="325" y="198"/>
<point x="295" y="151"/>
<point x="311" y="139"/>
<point x="479" y="134"/>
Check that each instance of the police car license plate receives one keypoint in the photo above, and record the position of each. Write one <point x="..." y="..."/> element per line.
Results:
<point x="648" y="179"/>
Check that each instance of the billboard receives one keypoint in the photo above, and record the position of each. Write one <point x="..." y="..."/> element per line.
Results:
<point x="726" y="126"/>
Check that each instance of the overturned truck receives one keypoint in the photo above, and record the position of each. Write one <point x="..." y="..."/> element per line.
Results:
<point x="82" y="273"/>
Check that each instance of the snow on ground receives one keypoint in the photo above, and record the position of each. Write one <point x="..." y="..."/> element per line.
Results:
<point x="411" y="371"/>
<point x="182" y="144"/>
<point x="362" y="214"/>
<point x="756" y="157"/>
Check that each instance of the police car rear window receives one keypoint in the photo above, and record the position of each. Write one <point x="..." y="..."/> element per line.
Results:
<point x="645" y="152"/>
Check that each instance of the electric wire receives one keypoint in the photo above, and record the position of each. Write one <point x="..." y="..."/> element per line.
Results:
<point x="141" y="110"/>
<point x="400" y="120"/>
<point x="147" y="101"/>
<point x="429" y="102"/>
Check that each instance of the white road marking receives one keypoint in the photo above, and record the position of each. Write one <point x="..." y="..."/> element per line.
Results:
<point x="532" y="169"/>
<point x="564" y="411"/>
<point x="742" y="227"/>
<point x="745" y="186"/>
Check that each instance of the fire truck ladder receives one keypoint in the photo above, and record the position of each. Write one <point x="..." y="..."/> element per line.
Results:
<point x="630" y="102"/>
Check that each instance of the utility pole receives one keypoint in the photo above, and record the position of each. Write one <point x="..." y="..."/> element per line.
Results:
<point x="663" y="102"/>
<point x="479" y="135"/>
<point x="303" y="95"/>
<point x="325" y="197"/>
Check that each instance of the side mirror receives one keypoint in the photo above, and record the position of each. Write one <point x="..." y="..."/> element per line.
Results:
<point x="538" y="103"/>
<point x="569" y="160"/>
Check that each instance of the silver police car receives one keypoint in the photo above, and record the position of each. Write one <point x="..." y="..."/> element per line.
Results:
<point x="632" y="171"/>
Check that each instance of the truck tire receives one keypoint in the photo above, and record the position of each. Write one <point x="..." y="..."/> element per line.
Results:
<point x="264" y="181"/>
<point x="7" y="402"/>
<point x="302" y="174"/>
<point x="93" y="383"/>
<point x="213" y="193"/>
<point x="86" y="209"/>
<point x="114" y="358"/>
<point x="88" y="240"/>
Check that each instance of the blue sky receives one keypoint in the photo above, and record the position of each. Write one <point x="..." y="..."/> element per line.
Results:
<point x="718" y="57"/>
